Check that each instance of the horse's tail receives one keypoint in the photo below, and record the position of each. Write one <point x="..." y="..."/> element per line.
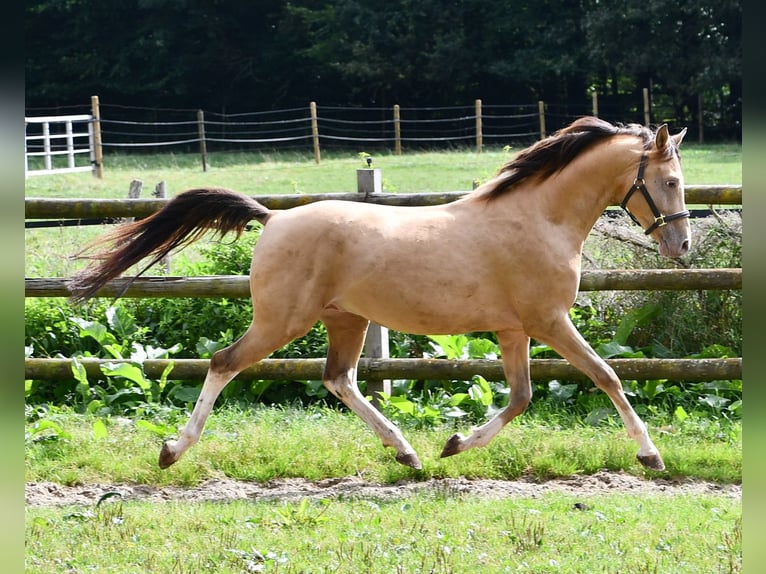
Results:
<point x="183" y="220"/>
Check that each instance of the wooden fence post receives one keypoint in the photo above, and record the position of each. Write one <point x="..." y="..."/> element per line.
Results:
<point x="397" y="130"/>
<point x="594" y="103"/>
<point x="479" y="142"/>
<point x="160" y="192"/>
<point x="315" y="131"/>
<point x="370" y="181"/>
<point x="541" y="114"/>
<point x="202" y="142"/>
<point x="647" y="108"/>
<point x="134" y="192"/>
<point x="98" y="151"/>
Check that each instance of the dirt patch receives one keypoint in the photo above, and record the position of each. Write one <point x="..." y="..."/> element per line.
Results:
<point x="52" y="494"/>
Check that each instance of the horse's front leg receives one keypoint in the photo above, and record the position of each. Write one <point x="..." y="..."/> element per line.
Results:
<point x="564" y="338"/>
<point x="346" y="333"/>
<point x="515" y="349"/>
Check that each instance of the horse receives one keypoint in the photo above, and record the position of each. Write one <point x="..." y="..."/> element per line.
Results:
<point x="504" y="258"/>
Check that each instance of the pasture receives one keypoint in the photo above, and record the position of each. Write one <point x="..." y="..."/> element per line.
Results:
<point x="312" y="490"/>
<point x="441" y="530"/>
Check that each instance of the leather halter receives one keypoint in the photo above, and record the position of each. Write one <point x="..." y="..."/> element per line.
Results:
<point x="639" y="184"/>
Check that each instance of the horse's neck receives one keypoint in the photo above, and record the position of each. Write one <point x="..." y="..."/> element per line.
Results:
<point x="583" y="190"/>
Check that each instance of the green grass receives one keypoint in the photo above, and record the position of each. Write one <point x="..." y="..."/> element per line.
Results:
<point x="440" y="533"/>
<point x="267" y="174"/>
<point x="438" y="530"/>
<point x="263" y="443"/>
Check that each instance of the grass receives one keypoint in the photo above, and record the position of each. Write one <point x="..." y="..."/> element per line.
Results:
<point x="441" y="533"/>
<point x="263" y="443"/>
<point x="266" y="174"/>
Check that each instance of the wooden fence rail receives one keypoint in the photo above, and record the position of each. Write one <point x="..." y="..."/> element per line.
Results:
<point x="49" y="208"/>
<point x="434" y="369"/>
<point x="237" y="286"/>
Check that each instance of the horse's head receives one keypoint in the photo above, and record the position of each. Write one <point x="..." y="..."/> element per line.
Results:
<point x="655" y="200"/>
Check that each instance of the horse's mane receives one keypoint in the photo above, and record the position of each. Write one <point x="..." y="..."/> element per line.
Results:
<point x="553" y="153"/>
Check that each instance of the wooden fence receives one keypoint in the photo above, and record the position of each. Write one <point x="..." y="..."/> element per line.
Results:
<point x="378" y="368"/>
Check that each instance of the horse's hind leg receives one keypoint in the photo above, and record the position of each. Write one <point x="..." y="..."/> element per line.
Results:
<point x="569" y="343"/>
<point x="515" y="349"/>
<point x="256" y="344"/>
<point x="346" y="333"/>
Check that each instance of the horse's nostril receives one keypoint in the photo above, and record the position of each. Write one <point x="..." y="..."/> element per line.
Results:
<point x="685" y="246"/>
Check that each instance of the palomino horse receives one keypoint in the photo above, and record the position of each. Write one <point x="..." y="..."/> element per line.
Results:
<point x="504" y="258"/>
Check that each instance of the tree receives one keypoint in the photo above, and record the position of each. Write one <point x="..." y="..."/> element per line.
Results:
<point x="681" y="48"/>
<point x="226" y="55"/>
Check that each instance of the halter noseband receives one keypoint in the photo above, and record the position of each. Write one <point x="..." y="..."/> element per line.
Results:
<point x="639" y="184"/>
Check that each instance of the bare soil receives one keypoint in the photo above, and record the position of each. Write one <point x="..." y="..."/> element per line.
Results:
<point x="52" y="494"/>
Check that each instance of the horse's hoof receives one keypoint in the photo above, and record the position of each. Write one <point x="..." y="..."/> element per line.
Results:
<point x="453" y="445"/>
<point x="652" y="461"/>
<point x="409" y="459"/>
<point x="167" y="457"/>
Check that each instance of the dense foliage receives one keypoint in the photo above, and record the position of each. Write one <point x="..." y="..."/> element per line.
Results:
<point x="235" y="55"/>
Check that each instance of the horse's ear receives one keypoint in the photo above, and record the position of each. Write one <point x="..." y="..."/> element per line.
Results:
<point x="661" y="138"/>
<point x="678" y="138"/>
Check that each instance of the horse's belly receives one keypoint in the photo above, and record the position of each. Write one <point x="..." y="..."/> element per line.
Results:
<point x="430" y="313"/>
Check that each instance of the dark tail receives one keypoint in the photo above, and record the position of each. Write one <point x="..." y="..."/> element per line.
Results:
<point x="183" y="220"/>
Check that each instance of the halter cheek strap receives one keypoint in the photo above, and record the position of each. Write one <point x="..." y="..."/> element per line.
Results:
<point x="639" y="184"/>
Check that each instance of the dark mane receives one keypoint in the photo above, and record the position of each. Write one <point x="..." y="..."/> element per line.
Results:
<point x="553" y="153"/>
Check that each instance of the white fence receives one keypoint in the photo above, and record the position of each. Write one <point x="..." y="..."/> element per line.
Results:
<point x="66" y="144"/>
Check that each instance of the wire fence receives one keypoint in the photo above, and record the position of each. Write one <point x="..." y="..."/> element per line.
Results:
<point x="314" y="127"/>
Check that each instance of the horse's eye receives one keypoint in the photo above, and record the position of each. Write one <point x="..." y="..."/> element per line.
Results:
<point x="672" y="184"/>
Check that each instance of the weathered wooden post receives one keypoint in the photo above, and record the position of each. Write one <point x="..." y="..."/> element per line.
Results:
<point x="397" y="131"/>
<point x="479" y="138"/>
<point x="202" y="142"/>
<point x="647" y="108"/>
<point x="98" y="158"/>
<point x="160" y="192"/>
<point x="134" y="192"/>
<point x="315" y="131"/>
<point x="370" y="181"/>
<point x="594" y="103"/>
<point x="541" y="115"/>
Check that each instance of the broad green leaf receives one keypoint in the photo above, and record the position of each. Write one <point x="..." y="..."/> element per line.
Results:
<point x="94" y="330"/>
<point x="449" y="346"/>
<point x="127" y="371"/>
<point x="186" y="394"/>
<point x="158" y="429"/>
<point x="99" y="429"/>
<point x="680" y="414"/>
<point x="633" y="319"/>
<point x="614" y="349"/>
<point x="483" y="349"/>
<point x="121" y="321"/>
<point x="78" y="370"/>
